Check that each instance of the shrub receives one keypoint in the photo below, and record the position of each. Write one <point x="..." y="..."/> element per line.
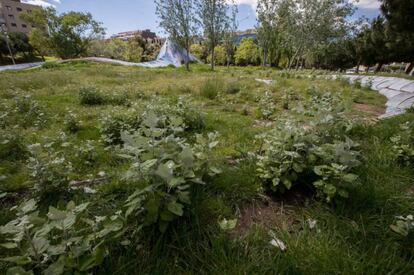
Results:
<point x="50" y="172"/>
<point x="29" y="112"/>
<point x="112" y="125"/>
<point x="211" y="88"/>
<point x="403" y="144"/>
<point x="118" y="99"/>
<point x="72" y="124"/>
<point x="292" y="155"/>
<point x="64" y="241"/>
<point x="267" y="106"/>
<point x="91" y="96"/>
<point x="171" y="168"/>
<point x="232" y="87"/>
<point x="12" y="146"/>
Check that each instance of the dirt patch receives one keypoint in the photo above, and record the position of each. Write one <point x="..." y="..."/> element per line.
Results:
<point x="267" y="214"/>
<point x="369" y="109"/>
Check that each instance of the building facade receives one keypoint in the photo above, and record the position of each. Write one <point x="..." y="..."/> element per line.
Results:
<point x="10" y="11"/>
<point x="147" y="35"/>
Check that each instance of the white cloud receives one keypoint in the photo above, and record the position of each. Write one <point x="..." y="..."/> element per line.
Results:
<point x="365" y="4"/>
<point x="44" y="3"/>
<point x="368" y="4"/>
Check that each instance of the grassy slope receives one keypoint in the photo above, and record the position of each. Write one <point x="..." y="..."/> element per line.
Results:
<point x="354" y="236"/>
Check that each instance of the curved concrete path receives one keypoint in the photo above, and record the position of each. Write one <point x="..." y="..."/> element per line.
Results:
<point x="398" y="91"/>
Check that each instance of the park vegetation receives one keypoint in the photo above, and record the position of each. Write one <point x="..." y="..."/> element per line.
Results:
<point x="104" y="171"/>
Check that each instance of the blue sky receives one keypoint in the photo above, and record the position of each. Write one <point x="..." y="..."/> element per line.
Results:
<point x="125" y="15"/>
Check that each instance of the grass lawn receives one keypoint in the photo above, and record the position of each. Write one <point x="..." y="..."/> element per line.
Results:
<point x="351" y="236"/>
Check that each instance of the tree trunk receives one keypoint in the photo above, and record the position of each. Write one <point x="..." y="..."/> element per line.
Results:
<point x="409" y="67"/>
<point x="293" y="59"/>
<point x="378" y="68"/>
<point x="264" y="57"/>
<point x="212" y="57"/>
<point x="187" y="61"/>
<point x="357" y="67"/>
<point x="367" y="69"/>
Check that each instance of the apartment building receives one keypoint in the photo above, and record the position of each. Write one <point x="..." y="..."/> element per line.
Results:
<point x="10" y="11"/>
<point x="147" y="35"/>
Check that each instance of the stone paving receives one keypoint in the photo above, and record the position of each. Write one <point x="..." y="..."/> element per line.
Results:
<point x="398" y="91"/>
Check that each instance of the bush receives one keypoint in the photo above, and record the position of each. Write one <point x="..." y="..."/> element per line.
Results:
<point x="29" y="112"/>
<point x="50" y="172"/>
<point x="91" y="96"/>
<point x="170" y="166"/>
<point x="232" y="87"/>
<point x="267" y="106"/>
<point x="64" y="241"/>
<point x="118" y="99"/>
<point x="211" y="88"/>
<point x="114" y="124"/>
<point x="403" y="144"/>
<point x="292" y="155"/>
<point x="12" y="146"/>
<point x="72" y="124"/>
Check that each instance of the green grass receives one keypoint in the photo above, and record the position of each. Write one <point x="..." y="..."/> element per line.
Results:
<point x="352" y="236"/>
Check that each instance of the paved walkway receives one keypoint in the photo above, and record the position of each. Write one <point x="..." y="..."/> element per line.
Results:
<point x="20" y="66"/>
<point x="399" y="91"/>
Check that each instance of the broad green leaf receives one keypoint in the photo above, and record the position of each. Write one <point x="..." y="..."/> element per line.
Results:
<point x="184" y="196"/>
<point x="176" y="208"/>
<point x="176" y="182"/>
<point x="350" y="178"/>
<point x="9" y="245"/>
<point x="228" y="224"/>
<point x="20" y="260"/>
<point x="187" y="157"/>
<point x="56" y="268"/>
<point x="17" y="270"/>
<point x="152" y="207"/>
<point x="164" y="172"/>
<point x="28" y="206"/>
<point x="167" y="216"/>
<point x="56" y="214"/>
<point x="40" y="244"/>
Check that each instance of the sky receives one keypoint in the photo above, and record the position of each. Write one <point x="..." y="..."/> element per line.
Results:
<point x="125" y="15"/>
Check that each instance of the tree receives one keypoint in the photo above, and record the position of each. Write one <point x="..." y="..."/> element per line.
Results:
<point x="220" y="55"/>
<point x="267" y="28"/>
<point x="68" y="34"/>
<point x="400" y="14"/>
<point x="229" y="35"/>
<point x="400" y="17"/>
<point x="19" y="42"/>
<point x="199" y="51"/>
<point x="178" y="20"/>
<point x="247" y="53"/>
<point x="133" y="51"/>
<point x="214" y="20"/>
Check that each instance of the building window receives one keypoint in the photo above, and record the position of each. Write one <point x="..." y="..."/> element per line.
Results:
<point x="19" y="9"/>
<point x="24" y="26"/>
<point x="11" y="16"/>
<point x="14" y="24"/>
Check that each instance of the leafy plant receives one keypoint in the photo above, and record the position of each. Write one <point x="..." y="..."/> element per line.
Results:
<point x="91" y="96"/>
<point x="211" y="88"/>
<point x="64" y="241"/>
<point x="168" y="165"/>
<point x="267" y="106"/>
<point x="295" y="155"/>
<point x="403" y="145"/>
<point x="72" y="124"/>
<point x="404" y="225"/>
<point x="28" y="112"/>
<point x="50" y="171"/>
<point x="12" y="146"/>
